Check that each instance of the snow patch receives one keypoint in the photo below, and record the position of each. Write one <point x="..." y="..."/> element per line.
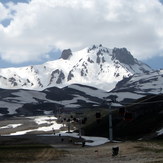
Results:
<point x="160" y="132"/>
<point x="11" y="126"/>
<point x="92" y="141"/>
<point x="49" y="121"/>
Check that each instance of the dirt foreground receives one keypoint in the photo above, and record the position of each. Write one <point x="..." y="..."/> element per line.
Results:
<point x="129" y="152"/>
<point x="68" y="152"/>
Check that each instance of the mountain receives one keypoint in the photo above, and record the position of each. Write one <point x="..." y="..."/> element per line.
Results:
<point x="135" y="93"/>
<point x="148" y="83"/>
<point x="76" y="96"/>
<point x="21" y="102"/>
<point x="88" y="79"/>
<point x="137" y="86"/>
<point x="95" y="66"/>
<point x="147" y="110"/>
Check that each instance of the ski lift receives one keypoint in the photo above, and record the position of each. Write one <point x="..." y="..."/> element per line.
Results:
<point x="84" y="120"/>
<point x="121" y="111"/>
<point x="98" y="121"/>
<point x="98" y="115"/>
<point x="128" y="116"/>
<point x="74" y="119"/>
<point x="68" y="120"/>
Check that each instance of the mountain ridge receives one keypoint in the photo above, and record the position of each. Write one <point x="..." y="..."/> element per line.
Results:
<point x="95" y="66"/>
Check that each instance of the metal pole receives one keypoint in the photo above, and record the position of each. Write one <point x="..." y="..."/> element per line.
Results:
<point x="68" y="127"/>
<point x="110" y="124"/>
<point x="80" y="128"/>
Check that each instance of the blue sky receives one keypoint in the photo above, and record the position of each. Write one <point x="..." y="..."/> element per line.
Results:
<point x="52" y="55"/>
<point x="14" y="1"/>
<point x="155" y="62"/>
<point x="33" y="31"/>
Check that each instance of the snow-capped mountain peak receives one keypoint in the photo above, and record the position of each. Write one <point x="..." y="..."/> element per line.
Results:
<point x="96" y="66"/>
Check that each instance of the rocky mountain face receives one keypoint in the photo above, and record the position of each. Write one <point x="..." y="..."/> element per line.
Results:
<point x="66" y="54"/>
<point x="95" y="66"/>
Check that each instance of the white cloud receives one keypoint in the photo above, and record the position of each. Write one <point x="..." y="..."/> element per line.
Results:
<point x="41" y="25"/>
<point x="3" y="11"/>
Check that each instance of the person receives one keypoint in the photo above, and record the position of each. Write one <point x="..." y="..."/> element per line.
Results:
<point x="115" y="151"/>
<point x="53" y="131"/>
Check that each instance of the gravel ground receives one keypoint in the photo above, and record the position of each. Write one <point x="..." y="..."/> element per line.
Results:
<point x="130" y="152"/>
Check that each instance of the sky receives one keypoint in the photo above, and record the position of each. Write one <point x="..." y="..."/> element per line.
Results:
<point x="36" y="31"/>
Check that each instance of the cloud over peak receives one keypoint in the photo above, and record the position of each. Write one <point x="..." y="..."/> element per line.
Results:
<point x="39" y="26"/>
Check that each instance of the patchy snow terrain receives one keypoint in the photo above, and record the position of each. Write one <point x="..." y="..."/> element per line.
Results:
<point x="148" y="83"/>
<point x="48" y="124"/>
<point x="38" y="124"/>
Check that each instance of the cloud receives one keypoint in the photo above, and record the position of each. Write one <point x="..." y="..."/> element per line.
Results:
<point x="4" y="12"/>
<point x="39" y="26"/>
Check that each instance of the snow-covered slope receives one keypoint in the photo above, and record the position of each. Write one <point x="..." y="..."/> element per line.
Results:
<point x="33" y="102"/>
<point x="75" y="96"/>
<point x="95" y="66"/>
<point x="147" y="83"/>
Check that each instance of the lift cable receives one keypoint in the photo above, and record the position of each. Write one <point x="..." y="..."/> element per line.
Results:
<point x="142" y="102"/>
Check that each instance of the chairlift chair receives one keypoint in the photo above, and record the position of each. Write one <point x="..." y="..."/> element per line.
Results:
<point x="122" y="111"/>
<point x="68" y="120"/>
<point x="98" y="115"/>
<point x="128" y="116"/>
<point x="83" y="121"/>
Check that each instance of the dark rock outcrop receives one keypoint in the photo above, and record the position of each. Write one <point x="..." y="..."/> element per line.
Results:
<point x="66" y="54"/>
<point x="123" y="55"/>
<point x="70" y="75"/>
<point x="58" y="75"/>
<point x="61" y="77"/>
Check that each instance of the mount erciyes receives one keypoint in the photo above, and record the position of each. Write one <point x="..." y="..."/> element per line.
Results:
<point x="82" y="80"/>
<point x="73" y="81"/>
<point x="95" y="66"/>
